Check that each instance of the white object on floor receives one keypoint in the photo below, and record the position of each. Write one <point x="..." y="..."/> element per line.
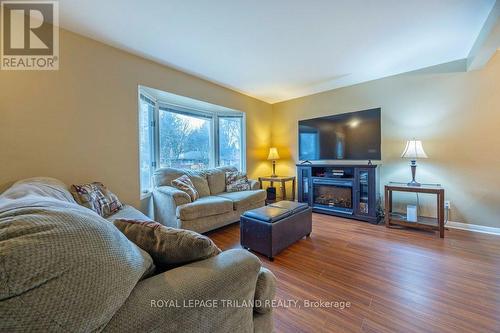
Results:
<point x="411" y="213"/>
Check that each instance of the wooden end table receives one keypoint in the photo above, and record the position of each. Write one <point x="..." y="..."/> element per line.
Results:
<point x="282" y="181"/>
<point x="423" y="222"/>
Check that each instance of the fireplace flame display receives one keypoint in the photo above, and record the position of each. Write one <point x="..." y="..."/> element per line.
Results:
<point x="333" y="196"/>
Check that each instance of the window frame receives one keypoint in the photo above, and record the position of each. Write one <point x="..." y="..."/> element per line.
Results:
<point x="213" y="114"/>
<point x="187" y="112"/>
<point x="242" y="139"/>
<point x="152" y="124"/>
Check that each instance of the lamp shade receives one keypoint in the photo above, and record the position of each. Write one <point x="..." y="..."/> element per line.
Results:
<point x="414" y="150"/>
<point x="273" y="154"/>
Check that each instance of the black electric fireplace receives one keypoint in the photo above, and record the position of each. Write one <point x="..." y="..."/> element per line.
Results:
<point x="342" y="190"/>
<point x="334" y="195"/>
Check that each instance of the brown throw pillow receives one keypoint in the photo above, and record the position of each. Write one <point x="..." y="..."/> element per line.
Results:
<point x="97" y="197"/>
<point x="185" y="184"/>
<point x="167" y="246"/>
<point x="237" y="181"/>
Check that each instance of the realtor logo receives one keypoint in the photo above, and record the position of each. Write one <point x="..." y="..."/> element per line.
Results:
<point x="29" y="35"/>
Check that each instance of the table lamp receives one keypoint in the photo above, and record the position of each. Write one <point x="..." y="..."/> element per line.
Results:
<point x="273" y="156"/>
<point x="414" y="151"/>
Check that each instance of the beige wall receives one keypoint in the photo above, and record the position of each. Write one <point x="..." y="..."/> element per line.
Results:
<point x="457" y="115"/>
<point x="79" y="124"/>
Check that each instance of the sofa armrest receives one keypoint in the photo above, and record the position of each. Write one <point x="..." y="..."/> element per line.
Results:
<point x="265" y="291"/>
<point x="254" y="184"/>
<point x="180" y="197"/>
<point x="166" y="200"/>
<point x="172" y="301"/>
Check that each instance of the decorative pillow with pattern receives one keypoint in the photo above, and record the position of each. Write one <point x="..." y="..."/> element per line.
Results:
<point x="236" y="182"/>
<point x="167" y="246"/>
<point x="97" y="197"/>
<point x="185" y="184"/>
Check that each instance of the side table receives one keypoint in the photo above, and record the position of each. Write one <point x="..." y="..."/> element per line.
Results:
<point x="282" y="181"/>
<point x="423" y="222"/>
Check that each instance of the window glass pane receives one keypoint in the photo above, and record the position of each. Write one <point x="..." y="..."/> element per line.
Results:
<point x="145" y="143"/>
<point x="184" y="140"/>
<point x="230" y="139"/>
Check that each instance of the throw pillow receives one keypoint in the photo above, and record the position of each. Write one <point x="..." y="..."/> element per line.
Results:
<point x="167" y="246"/>
<point x="185" y="184"/>
<point x="97" y="197"/>
<point x="237" y="181"/>
<point x="217" y="178"/>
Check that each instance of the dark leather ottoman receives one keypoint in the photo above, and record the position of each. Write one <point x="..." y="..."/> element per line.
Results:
<point x="271" y="229"/>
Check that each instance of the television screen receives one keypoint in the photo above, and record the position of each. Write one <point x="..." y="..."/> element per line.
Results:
<point x="347" y="136"/>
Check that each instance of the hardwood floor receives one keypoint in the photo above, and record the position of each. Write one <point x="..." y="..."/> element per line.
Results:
<point x="397" y="280"/>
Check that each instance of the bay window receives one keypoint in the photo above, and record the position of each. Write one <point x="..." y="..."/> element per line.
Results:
<point x="189" y="138"/>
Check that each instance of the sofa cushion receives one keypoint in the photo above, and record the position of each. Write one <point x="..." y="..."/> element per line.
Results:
<point x="39" y="186"/>
<point x="200" y="183"/>
<point x="167" y="246"/>
<point x="244" y="199"/>
<point x="164" y="177"/>
<point x="207" y="206"/>
<point x="217" y="178"/>
<point x="128" y="212"/>
<point x="64" y="268"/>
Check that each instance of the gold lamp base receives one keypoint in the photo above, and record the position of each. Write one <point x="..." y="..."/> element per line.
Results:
<point x="274" y="169"/>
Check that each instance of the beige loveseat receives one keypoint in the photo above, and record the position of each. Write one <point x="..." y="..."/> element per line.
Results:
<point x="214" y="209"/>
<point x="66" y="269"/>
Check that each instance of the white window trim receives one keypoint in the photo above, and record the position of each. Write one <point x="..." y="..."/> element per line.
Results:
<point x="243" y="143"/>
<point x="214" y="114"/>
<point x="145" y="195"/>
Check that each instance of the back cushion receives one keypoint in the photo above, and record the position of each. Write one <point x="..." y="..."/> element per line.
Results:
<point x="164" y="177"/>
<point x="39" y="186"/>
<point x="217" y="179"/>
<point x="63" y="268"/>
<point x="200" y="183"/>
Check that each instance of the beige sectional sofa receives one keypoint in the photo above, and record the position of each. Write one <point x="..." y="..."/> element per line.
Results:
<point x="66" y="269"/>
<point x="214" y="209"/>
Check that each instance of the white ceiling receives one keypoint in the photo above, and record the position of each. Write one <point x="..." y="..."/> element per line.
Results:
<point x="282" y="49"/>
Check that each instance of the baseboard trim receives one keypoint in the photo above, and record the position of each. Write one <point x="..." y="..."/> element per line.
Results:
<point x="473" y="228"/>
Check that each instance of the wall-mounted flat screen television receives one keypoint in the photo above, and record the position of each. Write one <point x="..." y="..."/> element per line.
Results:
<point x="347" y="136"/>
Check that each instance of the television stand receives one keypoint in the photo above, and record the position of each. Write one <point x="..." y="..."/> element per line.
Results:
<point x="348" y="191"/>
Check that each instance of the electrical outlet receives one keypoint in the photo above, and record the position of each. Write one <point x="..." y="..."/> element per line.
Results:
<point x="447" y="205"/>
